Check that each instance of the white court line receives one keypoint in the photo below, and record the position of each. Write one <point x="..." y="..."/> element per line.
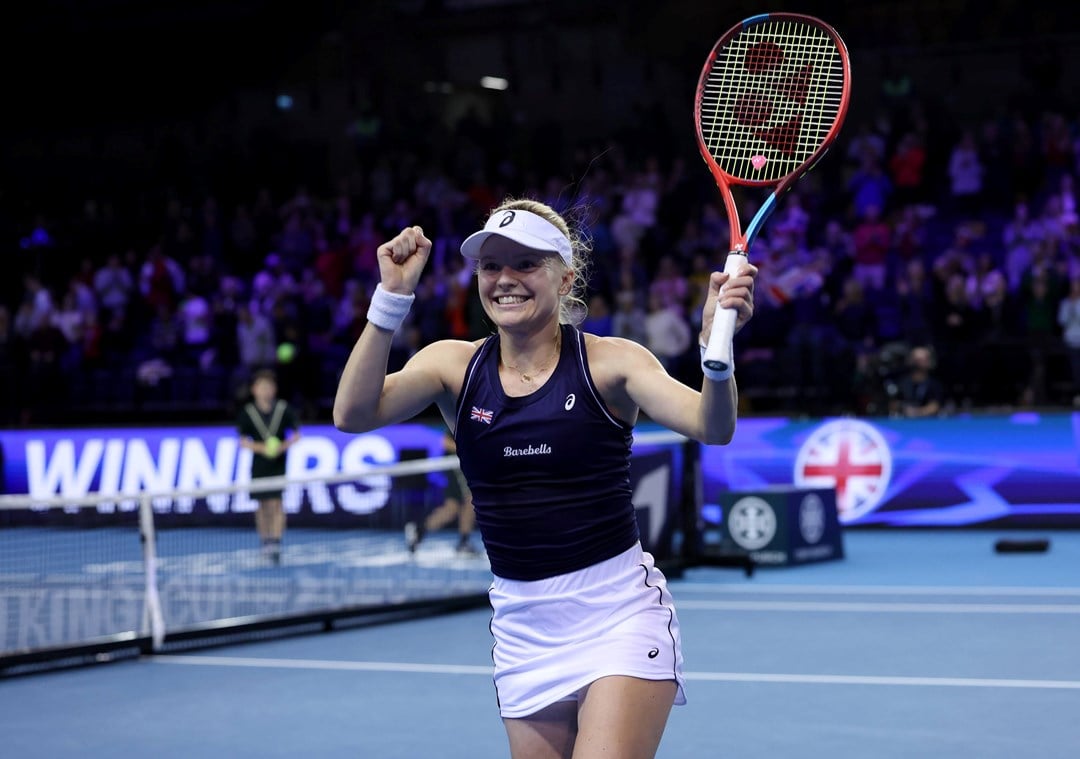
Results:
<point x="949" y="682"/>
<point x="743" y="677"/>
<point x="350" y="666"/>
<point x="884" y="590"/>
<point x="880" y="608"/>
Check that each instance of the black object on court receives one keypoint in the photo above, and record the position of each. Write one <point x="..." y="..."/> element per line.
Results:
<point x="1036" y="545"/>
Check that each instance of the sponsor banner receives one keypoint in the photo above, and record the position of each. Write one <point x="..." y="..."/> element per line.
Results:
<point x="655" y="479"/>
<point x="1017" y="470"/>
<point x="781" y="526"/>
<point x="74" y="464"/>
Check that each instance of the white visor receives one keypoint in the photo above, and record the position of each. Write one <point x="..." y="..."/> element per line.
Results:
<point x="524" y="228"/>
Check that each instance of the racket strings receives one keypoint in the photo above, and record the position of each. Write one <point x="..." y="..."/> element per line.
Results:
<point x="770" y="99"/>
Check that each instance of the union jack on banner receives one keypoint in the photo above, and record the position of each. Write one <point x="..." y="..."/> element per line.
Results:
<point x="481" y="415"/>
<point x="851" y="456"/>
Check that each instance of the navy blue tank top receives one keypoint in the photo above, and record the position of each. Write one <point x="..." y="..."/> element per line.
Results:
<point x="549" y="472"/>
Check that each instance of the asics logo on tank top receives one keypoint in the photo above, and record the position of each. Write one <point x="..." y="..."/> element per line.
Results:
<point x="570" y="401"/>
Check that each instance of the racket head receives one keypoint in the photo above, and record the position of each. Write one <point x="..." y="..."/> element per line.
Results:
<point x="771" y="99"/>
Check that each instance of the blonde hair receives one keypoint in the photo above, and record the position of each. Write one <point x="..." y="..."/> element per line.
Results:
<point x="572" y="307"/>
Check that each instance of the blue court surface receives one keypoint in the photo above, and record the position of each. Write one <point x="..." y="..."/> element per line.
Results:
<point x="916" y="644"/>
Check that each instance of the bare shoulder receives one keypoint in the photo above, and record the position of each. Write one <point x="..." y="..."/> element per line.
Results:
<point x="613" y="359"/>
<point x="446" y="358"/>
<point x="614" y="350"/>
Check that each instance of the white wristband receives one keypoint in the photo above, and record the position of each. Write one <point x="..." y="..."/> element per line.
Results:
<point x="388" y="310"/>
<point x="714" y="374"/>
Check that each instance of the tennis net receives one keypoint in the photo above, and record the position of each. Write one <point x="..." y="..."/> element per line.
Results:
<point x="105" y="575"/>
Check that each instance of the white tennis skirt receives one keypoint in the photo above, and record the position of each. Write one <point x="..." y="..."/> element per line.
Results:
<point x="555" y="636"/>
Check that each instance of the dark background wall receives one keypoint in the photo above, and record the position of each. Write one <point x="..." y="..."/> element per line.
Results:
<point x="115" y="91"/>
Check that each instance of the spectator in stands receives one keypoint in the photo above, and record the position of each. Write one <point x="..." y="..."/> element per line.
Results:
<point x="698" y="282"/>
<point x="667" y="332"/>
<point x="855" y="319"/>
<point x="869" y="187"/>
<point x="39" y="302"/>
<point x="161" y="279"/>
<point x="1029" y="163"/>
<point x="1020" y="237"/>
<point x="114" y="284"/>
<point x="598" y="317"/>
<point x="165" y="338"/>
<point x="196" y="325"/>
<point x="907" y="167"/>
<point x="364" y="239"/>
<point x="918" y="393"/>
<point x="255" y="341"/>
<point x="865" y="144"/>
<point x="955" y="329"/>
<point x="669" y="284"/>
<point x="71" y="321"/>
<point x="966" y="172"/>
<point x="837" y="242"/>
<point x="46" y="382"/>
<point x="1001" y="361"/>
<point x="270" y="283"/>
<point x="909" y="233"/>
<point x="641" y="199"/>
<point x="958" y="259"/>
<point x="915" y="300"/>
<point x="1069" y="320"/>
<point x="812" y="339"/>
<point x="871" y="240"/>
<point x="1039" y="295"/>
<point x="628" y="321"/>
<point x="224" y="302"/>
<point x="983" y="268"/>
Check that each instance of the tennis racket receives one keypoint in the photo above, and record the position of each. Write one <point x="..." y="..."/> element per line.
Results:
<point x="770" y="102"/>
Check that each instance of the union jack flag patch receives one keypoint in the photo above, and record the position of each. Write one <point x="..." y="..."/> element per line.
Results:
<point x="478" y="414"/>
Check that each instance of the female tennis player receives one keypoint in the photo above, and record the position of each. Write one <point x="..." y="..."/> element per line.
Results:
<point x="587" y="649"/>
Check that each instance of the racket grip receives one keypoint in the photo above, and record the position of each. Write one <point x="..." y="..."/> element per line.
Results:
<point x="717" y="362"/>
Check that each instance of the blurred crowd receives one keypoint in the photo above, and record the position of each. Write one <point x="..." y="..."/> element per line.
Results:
<point x="964" y="240"/>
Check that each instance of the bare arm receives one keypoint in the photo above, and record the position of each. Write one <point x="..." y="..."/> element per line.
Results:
<point x="632" y="378"/>
<point x="366" y="397"/>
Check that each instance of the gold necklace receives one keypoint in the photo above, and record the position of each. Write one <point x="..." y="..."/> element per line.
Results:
<point x="543" y="367"/>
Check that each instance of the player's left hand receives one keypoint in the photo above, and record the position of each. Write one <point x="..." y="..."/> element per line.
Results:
<point x="729" y="292"/>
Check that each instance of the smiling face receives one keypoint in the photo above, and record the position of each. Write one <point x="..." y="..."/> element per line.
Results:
<point x="519" y="286"/>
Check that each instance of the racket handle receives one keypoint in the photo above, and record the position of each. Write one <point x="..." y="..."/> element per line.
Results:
<point x="717" y="361"/>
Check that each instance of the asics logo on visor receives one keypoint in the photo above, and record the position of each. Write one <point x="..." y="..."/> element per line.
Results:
<point x="507" y="219"/>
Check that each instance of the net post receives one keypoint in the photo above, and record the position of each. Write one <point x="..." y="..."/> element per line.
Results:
<point x="153" y="620"/>
<point x="689" y="551"/>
